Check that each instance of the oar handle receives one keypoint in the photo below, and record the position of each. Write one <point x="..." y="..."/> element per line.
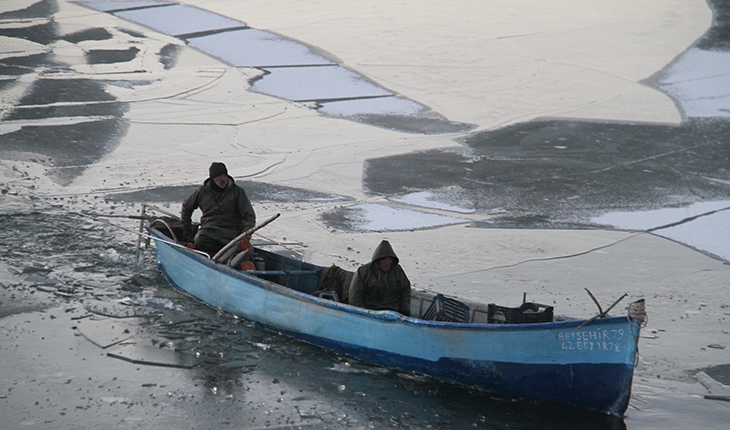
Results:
<point x="248" y="232"/>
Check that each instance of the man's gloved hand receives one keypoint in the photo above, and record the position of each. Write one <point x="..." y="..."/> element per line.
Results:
<point x="187" y="235"/>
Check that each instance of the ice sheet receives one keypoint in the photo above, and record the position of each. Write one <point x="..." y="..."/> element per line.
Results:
<point x="426" y="199"/>
<point x="257" y="48"/>
<point x="646" y="220"/>
<point x="316" y="83"/>
<point x="391" y="105"/>
<point x="704" y="226"/>
<point x="106" y="6"/>
<point x="179" y="20"/>
<point x="709" y="233"/>
<point x="295" y="71"/>
<point x="700" y="80"/>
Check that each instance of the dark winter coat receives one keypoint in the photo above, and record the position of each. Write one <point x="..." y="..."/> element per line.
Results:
<point x="226" y="213"/>
<point x="372" y="288"/>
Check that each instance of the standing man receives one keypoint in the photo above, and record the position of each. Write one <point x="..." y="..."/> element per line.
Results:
<point x="227" y="212"/>
<point x="382" y="284"/>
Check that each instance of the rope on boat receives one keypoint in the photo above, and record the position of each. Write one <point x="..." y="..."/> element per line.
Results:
<point x="163" y="222"/>
<point x="143" y="216"/>
<point x="145" y="235"/>
<point x="637" y="311"/>
<point x="162" y="211"/>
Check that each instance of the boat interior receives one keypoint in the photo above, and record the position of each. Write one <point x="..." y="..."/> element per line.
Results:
<point x="333" y="282"/>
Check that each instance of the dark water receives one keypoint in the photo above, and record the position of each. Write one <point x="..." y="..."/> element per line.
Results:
<point x="92" y="261"/>
<point x="561" y="173"/>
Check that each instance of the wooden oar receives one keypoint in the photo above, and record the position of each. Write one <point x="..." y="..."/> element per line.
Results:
<point x="146" y="217"/>
<point x="240" y="237"/>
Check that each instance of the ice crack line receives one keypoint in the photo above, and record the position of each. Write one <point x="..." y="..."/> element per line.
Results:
<point x="686" y="220"/>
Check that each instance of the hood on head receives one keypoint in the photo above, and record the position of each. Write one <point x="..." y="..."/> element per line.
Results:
<point x="384" y="250"/>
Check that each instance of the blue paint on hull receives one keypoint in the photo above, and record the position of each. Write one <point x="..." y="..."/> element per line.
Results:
<point x="601" y="387"/>
<point x="557" y="362"/>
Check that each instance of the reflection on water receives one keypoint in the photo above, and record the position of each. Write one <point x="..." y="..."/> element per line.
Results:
<point x="244" y="371"/>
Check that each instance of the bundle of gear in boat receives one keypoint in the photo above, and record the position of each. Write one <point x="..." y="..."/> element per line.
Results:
<point x="334" y="282"/>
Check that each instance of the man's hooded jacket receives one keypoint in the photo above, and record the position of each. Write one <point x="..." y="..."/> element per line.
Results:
<point x="372" y="288"/>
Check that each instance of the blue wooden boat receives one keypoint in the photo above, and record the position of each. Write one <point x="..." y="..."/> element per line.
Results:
<point x="583" y="363"/>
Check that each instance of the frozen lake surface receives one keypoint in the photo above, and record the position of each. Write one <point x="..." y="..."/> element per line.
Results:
<point x="492" y="150"/>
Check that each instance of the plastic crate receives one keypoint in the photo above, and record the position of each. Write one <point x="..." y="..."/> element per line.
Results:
<point x="447" y="310"/>
<point x="528" y="313"/>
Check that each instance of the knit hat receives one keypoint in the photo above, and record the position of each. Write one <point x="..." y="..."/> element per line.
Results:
<point x="217" y="169"/>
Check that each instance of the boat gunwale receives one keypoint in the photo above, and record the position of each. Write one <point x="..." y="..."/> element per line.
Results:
<point x="382" y="315"/>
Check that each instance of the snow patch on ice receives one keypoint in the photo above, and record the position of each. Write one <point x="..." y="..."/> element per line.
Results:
<point x="426" y="199"/>
<point x="647" y="220"/>
<point x="707" y="227"/>
<point x="700" y="81"/>
<point x="391" y="105"/>
<point x="316" y="83"/>
<point x="374" y="217"/>
<point x="257" y="48"/>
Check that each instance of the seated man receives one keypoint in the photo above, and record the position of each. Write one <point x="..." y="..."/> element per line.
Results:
<point x="227" y="212"/>
<point x="381" y="284"/>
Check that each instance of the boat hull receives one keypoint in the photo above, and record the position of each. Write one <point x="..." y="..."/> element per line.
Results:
<point x="589" y="367"/>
